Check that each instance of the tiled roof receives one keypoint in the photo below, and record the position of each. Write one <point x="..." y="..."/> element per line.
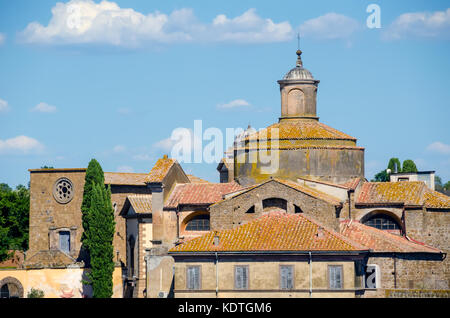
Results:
<point x="310" y="191"/>
<point x="276" y="231"/>
<point x="199" y="193"/>
<point x="300" y="129"/>
<point x="405" y="192"/>
<point x="351" y="184"/>
<point x="294" y="185"/>
<point x="436" y="200"/>
<point x="141" y="203"/>
<point x="121" y="178"/>
<point x="195" y="179"/>
<point x="160" y="169"/>
<point x="382" y="241"/>
<point x="324" y="182"/>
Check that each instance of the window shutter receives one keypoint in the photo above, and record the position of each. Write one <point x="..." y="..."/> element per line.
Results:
<point x="335" y="273"/>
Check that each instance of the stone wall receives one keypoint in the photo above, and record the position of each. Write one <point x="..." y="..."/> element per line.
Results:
<point x="231" y="213"/>
<point x="264" y="277"/>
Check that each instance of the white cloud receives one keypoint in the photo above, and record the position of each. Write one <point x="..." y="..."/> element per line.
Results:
<point x="142" y="157"/>
<point x="124" y="111"/>
<point x="44" y="108"/>
<point x="439" y="147"/>
<point x="4" y="107"/>
<point x="237" y="103"/>
<point x="125" y="169"/>
<point x="119" y="148"/>
<point x="2" y="38"/>
<point x="329" y="27"/>
<point x="20" y="145"/>
<point x="87" y="22"/>
<point x="420" y="24"/>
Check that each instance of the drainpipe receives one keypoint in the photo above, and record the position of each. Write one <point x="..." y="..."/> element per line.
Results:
<point x="395" y="271"/>
<point x="310" y="275"/>
<point x="217" y="275"/>
<point x="404" y="221"/>
<point x="146" y="275"/>
<point x="349" y="205"/>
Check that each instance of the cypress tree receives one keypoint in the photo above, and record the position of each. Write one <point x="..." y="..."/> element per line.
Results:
<point x="94" y="175"/>
<point x="100" y="237"/>
<point x="394" y="165"/>
<point x="409" y="166"/>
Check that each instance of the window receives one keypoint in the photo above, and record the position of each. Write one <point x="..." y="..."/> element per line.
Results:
<point x="251" y="210"/>
<point x="241" y="277"/>
<point x="64" y="241"/>
<point x="297" y="209"/>
<point x="274" y="203"/>
<point x="198" y="223"/>
<point x="193" y="277"/>
<point x="286" y="277"/>
<point x="131" y="244"/>
<point x="382" y="222"/>
<point x="335" y="276"/>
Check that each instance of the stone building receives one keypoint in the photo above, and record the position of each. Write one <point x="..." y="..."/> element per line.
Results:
<point x="291" y="210"/>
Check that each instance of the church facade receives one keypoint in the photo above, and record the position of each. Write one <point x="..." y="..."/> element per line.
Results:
<point x="307" y="224"/>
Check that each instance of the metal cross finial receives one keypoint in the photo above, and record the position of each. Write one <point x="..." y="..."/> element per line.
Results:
<point x="299" y="52"/>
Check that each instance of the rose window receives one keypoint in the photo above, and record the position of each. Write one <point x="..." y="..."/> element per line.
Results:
<point x="63" y="190"/>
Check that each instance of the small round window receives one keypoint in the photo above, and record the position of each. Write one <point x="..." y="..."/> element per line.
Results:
<point x="63" y="190"/>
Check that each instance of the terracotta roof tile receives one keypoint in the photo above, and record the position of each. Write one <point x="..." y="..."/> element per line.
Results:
<point x="141" y="203"/>
<point x="160" y="169"/>
<point x="301" y="130"/>
<point x="121" y="178"/>
<point x="310" y="191"/>
<point x="405" y="192"/>
<point x="351" y="184"/>
<point x="276" y="231"/>
<point x="436" y="200"/>
<point x="199" y="193"/>
<point x="382" y="241"/>
<point x="194" y="179"/>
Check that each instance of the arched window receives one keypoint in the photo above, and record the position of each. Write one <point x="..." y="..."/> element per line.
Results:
<point x="10" y="287"/>
<point x="198" y="223"/>
<point x="274" y="203"/>
<point x="382" y="222"/>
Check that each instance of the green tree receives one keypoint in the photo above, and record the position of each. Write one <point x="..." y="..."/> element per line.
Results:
<point x="447" y="186"/>
<point x="35" y="293"/>
<point x="100" y="236"/>
<point x="438" y="186"/>
<point x="409" y="166"/>
<point x="94" y="175"/>
<point x="14" y="215"/>
<point x="394" y="165"/>
<point x="381" y="176"/>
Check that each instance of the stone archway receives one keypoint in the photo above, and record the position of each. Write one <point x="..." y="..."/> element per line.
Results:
<point x="11" y="288"/>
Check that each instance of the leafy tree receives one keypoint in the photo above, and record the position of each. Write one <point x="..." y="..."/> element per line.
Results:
<point x="447" y="186"/>
<point x="381" y="176"/>
<point x="100" y="237"/>
<point x="438" y="186"/>
<point x="14" y="216"/>
<point x="94" y="175"/>
<point x="394" y="165"/>
<point x="409" y="166"/>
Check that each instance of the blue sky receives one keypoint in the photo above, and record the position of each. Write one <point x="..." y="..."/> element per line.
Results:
<point x="114" y="84"/>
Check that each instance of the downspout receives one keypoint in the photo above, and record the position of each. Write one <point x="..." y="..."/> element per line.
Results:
<point x="404" y="221"/>
<point x="349" y="205"/>
<point x="395" y="271"/>
<point x="146" y="275"/>
<point x="217" y="275"/>
<point x="310" y="275"/>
